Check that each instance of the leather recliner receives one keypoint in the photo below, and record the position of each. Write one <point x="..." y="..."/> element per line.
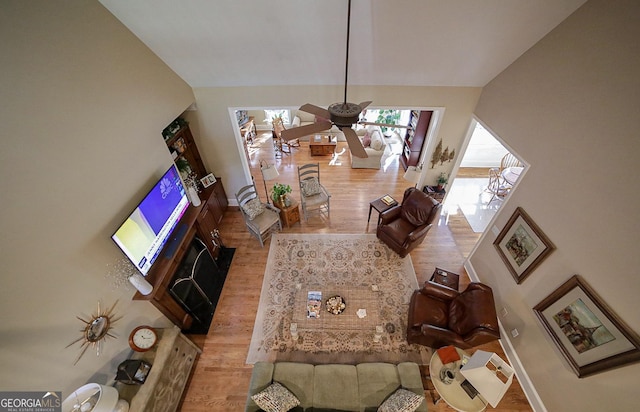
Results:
<point x="403" y="227"/>
<point x="440" y="316"/>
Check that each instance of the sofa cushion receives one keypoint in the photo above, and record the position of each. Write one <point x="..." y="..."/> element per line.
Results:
<point x="376" y="140"/>
<point x="376" y="382"/>
<point x="298" y="378"/>
<point x="401" y="400"/>
<point x="305" y="117"/>
<point x="275" y="398"/>
<point x="336" y="387"/>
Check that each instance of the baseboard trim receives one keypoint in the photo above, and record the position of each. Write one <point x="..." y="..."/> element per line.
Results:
<point x="525" y="382"/>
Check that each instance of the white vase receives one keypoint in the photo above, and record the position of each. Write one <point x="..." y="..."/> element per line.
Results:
<point x="193" y="195"/>
<point x="141" y="284"/>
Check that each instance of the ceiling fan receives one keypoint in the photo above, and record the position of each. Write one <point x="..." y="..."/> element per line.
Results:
<point x="343" y="114"/>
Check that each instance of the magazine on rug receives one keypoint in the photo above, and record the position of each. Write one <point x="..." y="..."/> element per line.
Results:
<point x="314" y="303"/>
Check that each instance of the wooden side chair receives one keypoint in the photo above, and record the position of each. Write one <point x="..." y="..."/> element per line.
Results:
<point x="261" y="219"/>
<point x="509" y="160"/>
<point x="498" y="187"/>
<point x="314" y="197"/>
<point x="282" y="145"/>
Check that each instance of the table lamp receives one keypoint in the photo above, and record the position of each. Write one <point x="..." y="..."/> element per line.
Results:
<point x="269" y="172"/>
<point x="413" y="174"/>
<point x="91" y="397"/>
<point x="489" y="375"/>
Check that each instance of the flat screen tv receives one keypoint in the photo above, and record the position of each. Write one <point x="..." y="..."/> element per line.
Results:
<point x="148" y="228"/>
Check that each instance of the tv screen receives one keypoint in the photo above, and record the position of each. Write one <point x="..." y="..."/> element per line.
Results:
<point x="148" y="228"/>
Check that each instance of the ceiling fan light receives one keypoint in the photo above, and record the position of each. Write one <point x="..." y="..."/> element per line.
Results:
<point x="344" y="114"/>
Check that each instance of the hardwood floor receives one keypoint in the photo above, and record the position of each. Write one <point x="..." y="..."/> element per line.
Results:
<point x="221" y="378"/>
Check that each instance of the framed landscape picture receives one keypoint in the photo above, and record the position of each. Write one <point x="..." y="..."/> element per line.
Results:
<point x="588" y="333"/>
<point x="522" y="245"/>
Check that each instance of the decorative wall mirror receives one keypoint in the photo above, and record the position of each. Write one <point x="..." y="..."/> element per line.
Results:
<point x="96" y="330"/>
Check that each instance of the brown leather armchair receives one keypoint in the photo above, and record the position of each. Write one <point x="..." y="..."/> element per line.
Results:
<point x="403" y="227"/>
<point x="440" y="316"/>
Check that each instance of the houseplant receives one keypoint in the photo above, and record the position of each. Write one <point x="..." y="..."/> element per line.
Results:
<point x="279" y="194"/>
<point x="442" y="180"/>
<point x="388" y="116"/>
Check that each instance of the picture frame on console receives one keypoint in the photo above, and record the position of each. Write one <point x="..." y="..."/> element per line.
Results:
<point x="590" y="336"/>
<point x="208" y="180"/>
<point x="522" y="245"/>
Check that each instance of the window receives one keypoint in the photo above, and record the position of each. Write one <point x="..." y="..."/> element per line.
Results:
<point x="271" y="114"/>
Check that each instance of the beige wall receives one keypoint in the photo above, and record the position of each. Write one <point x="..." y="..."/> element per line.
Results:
<point x="220" y="148"/>
<point x="83" y="106"/>
<point x="569" y="107"/>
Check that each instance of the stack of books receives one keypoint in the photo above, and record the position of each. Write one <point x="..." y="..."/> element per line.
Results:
<point x="314" y="304"/>
<point x="389" y="201"/>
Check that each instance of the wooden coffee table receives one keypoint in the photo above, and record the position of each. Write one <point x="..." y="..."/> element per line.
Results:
<point x="322" y="145"/>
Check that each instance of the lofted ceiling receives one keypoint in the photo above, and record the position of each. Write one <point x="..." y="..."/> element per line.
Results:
<point x="217" y="43"/>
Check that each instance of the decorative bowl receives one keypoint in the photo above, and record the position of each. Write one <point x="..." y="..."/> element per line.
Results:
<point x="336" y="305"/>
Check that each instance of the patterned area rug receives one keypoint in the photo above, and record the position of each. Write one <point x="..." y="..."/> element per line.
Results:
<point x="297" y="261"/>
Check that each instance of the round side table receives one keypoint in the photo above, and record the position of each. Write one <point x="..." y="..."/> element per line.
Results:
<point x="452" y="393"/>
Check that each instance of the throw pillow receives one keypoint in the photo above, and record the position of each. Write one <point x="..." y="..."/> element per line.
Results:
<point x="366" y="140"/>
<point x="275" y="398"/>
<point x="376" y="141"/>
<point x="253" y="208"/>
<point x="401" y="400"/>
<point x="310" y="186"/>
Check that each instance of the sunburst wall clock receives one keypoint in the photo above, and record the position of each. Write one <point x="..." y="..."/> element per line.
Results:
<point x="96" y="330"/>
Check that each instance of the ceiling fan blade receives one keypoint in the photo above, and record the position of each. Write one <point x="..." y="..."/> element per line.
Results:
<point x="297" y="132"/>
<point x="318" y="111"/>
<point x="364" y="105"/>
<point x="355" y="145"/>
<point x="399" y="126"/>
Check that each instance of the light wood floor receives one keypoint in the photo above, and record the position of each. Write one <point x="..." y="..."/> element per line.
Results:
<point x="221" y="378"/>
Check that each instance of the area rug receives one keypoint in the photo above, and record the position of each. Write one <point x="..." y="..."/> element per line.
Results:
<point x="297" y="260"/>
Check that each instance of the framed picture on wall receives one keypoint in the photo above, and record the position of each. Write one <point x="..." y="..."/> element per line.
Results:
<point x="588" y="333"/>
<point x="522" y="245"/>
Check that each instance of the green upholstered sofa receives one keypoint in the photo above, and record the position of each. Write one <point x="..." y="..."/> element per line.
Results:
<point x="337" y="387"/>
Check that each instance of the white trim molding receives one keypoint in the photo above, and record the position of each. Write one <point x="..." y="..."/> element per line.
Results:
<point x="523" y="378"/>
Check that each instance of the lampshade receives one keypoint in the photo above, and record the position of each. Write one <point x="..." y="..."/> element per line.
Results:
<point x="269" y="172"/>
<point x="489" y="375"/>
<point x="412" y="174"/>
<point x="91" y="397"/>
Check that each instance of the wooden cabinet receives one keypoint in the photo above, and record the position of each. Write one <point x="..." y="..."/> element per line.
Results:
<point x="210" y="217"/>
<point x="202" y="221"/>
<point x="289" y="215"/>
<point x="415" y="137"/>
<point x="198" y="221"/>
<point x="183" y="147"/>
<point x="218" y="202"/>
<point x="172" y="360"/>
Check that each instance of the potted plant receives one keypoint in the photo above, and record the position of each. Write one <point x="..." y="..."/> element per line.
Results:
<point x="388" y="116"/>
<point x="442" y="180"/>
<point x="279" y="194"/>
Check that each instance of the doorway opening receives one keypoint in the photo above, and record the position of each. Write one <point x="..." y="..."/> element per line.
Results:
<point x="470" y="193"/>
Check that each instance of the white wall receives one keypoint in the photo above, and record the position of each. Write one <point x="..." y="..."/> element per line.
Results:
<point x="219" y="147"/>
<point x="569" y="106"/>
<point x="83" y="106"/>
